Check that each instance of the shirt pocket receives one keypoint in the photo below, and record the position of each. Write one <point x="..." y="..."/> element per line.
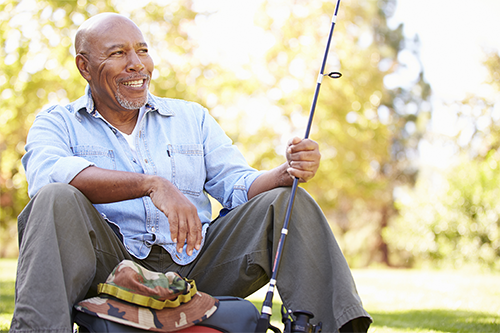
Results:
<point x="188" y="167"/>
<point x="100" y="156"/>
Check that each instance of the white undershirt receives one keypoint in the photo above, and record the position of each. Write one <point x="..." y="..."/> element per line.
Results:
<point x="131" y="137"/>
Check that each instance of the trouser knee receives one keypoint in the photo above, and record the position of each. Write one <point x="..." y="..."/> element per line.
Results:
<point x="54" y="191"/>
<point x="279" y="199"/>
<point x="282" y="194"/>
<point x="54" y="198"/>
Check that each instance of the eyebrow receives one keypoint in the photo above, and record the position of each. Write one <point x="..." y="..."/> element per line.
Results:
<point x="120" y="46"/>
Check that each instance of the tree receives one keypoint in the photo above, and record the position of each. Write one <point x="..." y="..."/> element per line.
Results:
<point x="368" y="133"/>
<point x="453" y="218"/>
<point x="368" y="130"/>
<point x="37" y="70"/>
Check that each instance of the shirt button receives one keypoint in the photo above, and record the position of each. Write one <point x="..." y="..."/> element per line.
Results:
<point x="153" y="229"/>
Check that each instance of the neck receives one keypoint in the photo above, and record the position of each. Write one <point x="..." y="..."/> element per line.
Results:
<point x="124" y="121"/>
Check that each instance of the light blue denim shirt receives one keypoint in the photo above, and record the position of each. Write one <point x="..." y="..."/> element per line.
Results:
<point x="176" y="139"/>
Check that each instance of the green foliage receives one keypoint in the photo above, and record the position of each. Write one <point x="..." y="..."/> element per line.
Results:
<point x="479" y="129"/>
<point x="453" y="218"/>
<point x="368" y="132"/>
<point x="38" y="70"/>
<point x="361" y="125"/>
<point x="455" y="222"/>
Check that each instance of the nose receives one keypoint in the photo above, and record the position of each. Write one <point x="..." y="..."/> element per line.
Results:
<point x="134" y="62"/>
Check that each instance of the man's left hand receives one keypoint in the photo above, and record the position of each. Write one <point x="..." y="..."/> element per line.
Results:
<point x="303" y="158"/>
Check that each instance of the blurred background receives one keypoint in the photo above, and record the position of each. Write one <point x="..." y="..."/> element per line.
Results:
<point x="409" y="135"/>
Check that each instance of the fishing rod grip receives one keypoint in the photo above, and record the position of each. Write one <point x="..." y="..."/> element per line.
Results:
<point x="265" y="317"/>
<point x="262" y="325"/>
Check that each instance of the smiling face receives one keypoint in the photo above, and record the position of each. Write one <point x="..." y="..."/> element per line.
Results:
<point x="113" y="57"/>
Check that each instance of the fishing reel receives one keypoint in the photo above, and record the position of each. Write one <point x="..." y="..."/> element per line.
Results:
<point x="299" y="325"/>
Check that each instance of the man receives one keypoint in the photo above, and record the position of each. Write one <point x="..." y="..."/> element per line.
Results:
<point x="138" y="167"/>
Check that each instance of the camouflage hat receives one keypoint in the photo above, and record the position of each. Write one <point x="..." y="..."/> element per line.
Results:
<point x="137" y="297"/>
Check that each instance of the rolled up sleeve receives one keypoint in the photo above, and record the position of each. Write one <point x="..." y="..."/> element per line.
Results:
<point x="229" y="176"/>
<point x="240" y="189"/>
<point x="48" y="157"/>
<point x="66" y="168"/>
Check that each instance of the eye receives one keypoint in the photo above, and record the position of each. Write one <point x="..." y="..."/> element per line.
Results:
<point x="117" y="53"/>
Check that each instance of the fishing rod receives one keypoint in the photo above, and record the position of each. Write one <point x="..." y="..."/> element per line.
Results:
<point x="266" y="312"/>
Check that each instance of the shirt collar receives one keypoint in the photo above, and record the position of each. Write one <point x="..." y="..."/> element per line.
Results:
<point x="87" y="103"/>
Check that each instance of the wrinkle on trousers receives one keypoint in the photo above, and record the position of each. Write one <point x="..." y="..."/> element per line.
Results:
<point x="68" y="245"/>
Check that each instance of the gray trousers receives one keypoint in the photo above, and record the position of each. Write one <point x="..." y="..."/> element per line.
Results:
<point x="67" y="248"/>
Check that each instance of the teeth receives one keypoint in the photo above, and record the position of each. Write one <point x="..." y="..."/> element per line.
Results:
<point x="135" y="84"/>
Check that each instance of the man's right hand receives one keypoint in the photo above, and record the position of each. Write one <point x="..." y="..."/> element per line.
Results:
<point x="185" y="225"/>
<point x="105" y="186"/>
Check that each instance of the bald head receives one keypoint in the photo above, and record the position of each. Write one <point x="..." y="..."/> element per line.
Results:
<point x="112" y="55"/>
<point x="92" y="27"/>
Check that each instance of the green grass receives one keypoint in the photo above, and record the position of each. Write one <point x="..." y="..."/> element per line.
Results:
<point x="7" y="281"/>
<point x="430" y="301"/>
<point x="412" y="301"/>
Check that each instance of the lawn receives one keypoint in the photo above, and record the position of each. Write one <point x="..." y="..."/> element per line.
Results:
<point x="399" y="300"/>
<point x="7" y="281"/>
<point x="430" y="301"/>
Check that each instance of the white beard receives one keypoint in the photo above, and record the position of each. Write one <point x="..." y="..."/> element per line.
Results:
<point x="127" y="104"/>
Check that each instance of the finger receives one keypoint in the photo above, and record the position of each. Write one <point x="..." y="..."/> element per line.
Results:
<point x="194" y="235"/>
<point x="302" y="176"/>
<point x="293" y="141"/>
<point x="305" y="145"/>
<point x="291" y="145"/>
<point x="197" y="245"/>
<point x="182" y="234"/>
<point x="304" y="160"/>
<point x="197" y="232"/>
<point x="304" y="165"/>
<point x="173" y="221"/>
<point x="193" y="242"/>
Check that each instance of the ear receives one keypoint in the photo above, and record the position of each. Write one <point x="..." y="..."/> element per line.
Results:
<point x="82" y="64"/>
